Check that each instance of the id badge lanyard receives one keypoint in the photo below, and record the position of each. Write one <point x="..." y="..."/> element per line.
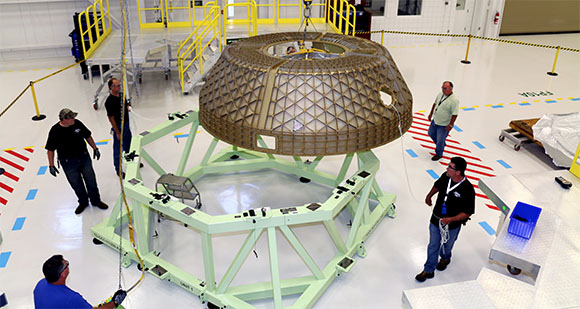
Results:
<point x="449" y="189"/>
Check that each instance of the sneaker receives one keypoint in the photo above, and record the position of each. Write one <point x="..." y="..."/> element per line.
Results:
<point x="442" y="265"/>
<point x="101" y="205"/>
<point x="80" y="208"/>
<point x="435" y="158"/>
<point x="424" y="276"/>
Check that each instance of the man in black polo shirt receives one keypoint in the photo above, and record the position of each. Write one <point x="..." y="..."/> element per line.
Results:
<point x="454" y="205"/>
<point x="114" y="111"/>
<point x="68" y="137"/>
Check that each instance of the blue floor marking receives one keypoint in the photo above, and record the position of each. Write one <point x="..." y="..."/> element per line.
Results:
<point x="4" y="256"/>
<point x="551" y="101"/>
<point x="18" y="223"/>
<point x="497" y="106"/>
<point x="42" y="170"/>
<point x="524" y="104"/>
<point x="411" y="153"/>
<point x="503" y="163"/>
<point x="469" y="109"/>
<point x="458" y="129"/>
<point x="102" y="143"/>
<point x="480" y="146"/>
<point x="181" y="135"/>
<point x="575" y="99"/>
<point x="31" y="194"/>
<point x="487" y="228"/>
<point x="433" y="174"/>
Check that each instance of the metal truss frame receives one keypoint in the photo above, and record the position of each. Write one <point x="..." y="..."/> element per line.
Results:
<point x="349" y="194"/>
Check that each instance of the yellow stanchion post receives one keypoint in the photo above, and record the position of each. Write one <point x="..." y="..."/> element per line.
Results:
<point x="38" y="115"/>
<point x="382" y="36"/>
<point x="554" y="66"/>
<point x="467" y="52"/>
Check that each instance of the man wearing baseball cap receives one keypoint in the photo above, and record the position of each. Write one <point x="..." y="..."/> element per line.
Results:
<point x="67" y="137"/>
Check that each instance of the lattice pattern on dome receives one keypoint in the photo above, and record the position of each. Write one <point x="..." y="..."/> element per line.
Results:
<point x="308" y="107"/>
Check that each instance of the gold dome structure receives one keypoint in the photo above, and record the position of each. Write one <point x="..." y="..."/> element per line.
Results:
<point x="322" y="100"/>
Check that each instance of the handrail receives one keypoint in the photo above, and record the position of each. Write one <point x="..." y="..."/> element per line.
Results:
<point x="252" y="19"/>
<point x="211" y="22"/>
<point x="96" y="25"/>
<point x="343" y="16"/>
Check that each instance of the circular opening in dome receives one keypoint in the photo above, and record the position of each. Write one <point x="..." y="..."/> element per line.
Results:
<point x="309" y="50"/>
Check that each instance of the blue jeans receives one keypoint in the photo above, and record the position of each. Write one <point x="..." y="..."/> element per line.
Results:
<point x="81" y="177"/>
<point x="126" y="145"/>
<point x="438" y="134"/>
<point x="434" y="250"/>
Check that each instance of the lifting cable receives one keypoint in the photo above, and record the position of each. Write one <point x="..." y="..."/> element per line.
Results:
<point x="126" y="28"/>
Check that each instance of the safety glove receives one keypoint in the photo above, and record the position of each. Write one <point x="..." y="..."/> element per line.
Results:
<point x="97" y="154"/>
<point x="53" y="170"/>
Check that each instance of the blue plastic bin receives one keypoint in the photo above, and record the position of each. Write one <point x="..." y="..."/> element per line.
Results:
<point x="523" y="220"/>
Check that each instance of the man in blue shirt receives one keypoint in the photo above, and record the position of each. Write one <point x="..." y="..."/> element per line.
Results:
<point x="52" y="292"/>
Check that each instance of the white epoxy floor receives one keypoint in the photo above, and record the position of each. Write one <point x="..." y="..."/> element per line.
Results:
<point x="490" y="89"/>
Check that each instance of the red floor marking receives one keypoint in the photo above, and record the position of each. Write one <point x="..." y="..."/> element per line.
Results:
<point x="472" y="178"/>
<point x="3" y="201"/>
<point x="14" y="165"/>
<point x="471" y="170"/>
<point x="482" y="196"/>
<point x="16" y="154"/>
<point x="11" y="176"/>
<point x="468" y="162"/>
<point x="492" y="207"/>
<point x="30" y="149"/>
<point x="453" y="147"/>
<point x="5" y="187"/>
<point x="416" y="128"/>
<point x="452" y="152"/>
<point x="427" y="135"/>
<point x="422" y="134"/>
<point x="421" y="123"/>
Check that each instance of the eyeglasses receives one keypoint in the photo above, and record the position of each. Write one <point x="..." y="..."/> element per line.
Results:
<point x="66" y="263"/>
<point x="113" y="85"/>
<point x="451" y="167"/>
<point x="445" y="88"/>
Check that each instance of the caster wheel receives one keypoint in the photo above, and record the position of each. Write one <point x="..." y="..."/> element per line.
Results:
<point x="514" y="270"/>
<point x="501" y="138"/>
<point x="517" y="147"/>
<point x="97" y="242"/>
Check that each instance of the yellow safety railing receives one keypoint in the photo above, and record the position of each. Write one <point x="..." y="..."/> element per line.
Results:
<point x="270" y="7"/>
<point x="198" y="43"/>
<point x="300" y="7"/>
<point x="575" y="167"/>
<point x="158" y="15"/>
<point x="96" y="26"/>
<point x="338" y="14"/>
<point x="252" y="17"/>
<point x="165" y="14"/>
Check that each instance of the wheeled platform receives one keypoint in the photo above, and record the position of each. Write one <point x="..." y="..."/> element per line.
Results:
<point x="519" y="132"/>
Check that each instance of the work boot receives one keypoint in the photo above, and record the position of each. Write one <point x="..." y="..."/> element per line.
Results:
<point x="101" y="205"/>
<point x="442" y="265"/>
<point x="80" y="208"/>
<point x="424" y="276"/>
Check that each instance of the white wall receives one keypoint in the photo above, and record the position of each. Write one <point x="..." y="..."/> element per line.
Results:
<point x="36" y="28"/>
<point x="441" y="16"/>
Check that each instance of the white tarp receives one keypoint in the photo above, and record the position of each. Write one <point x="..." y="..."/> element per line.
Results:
<point x="560" y="135"/>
